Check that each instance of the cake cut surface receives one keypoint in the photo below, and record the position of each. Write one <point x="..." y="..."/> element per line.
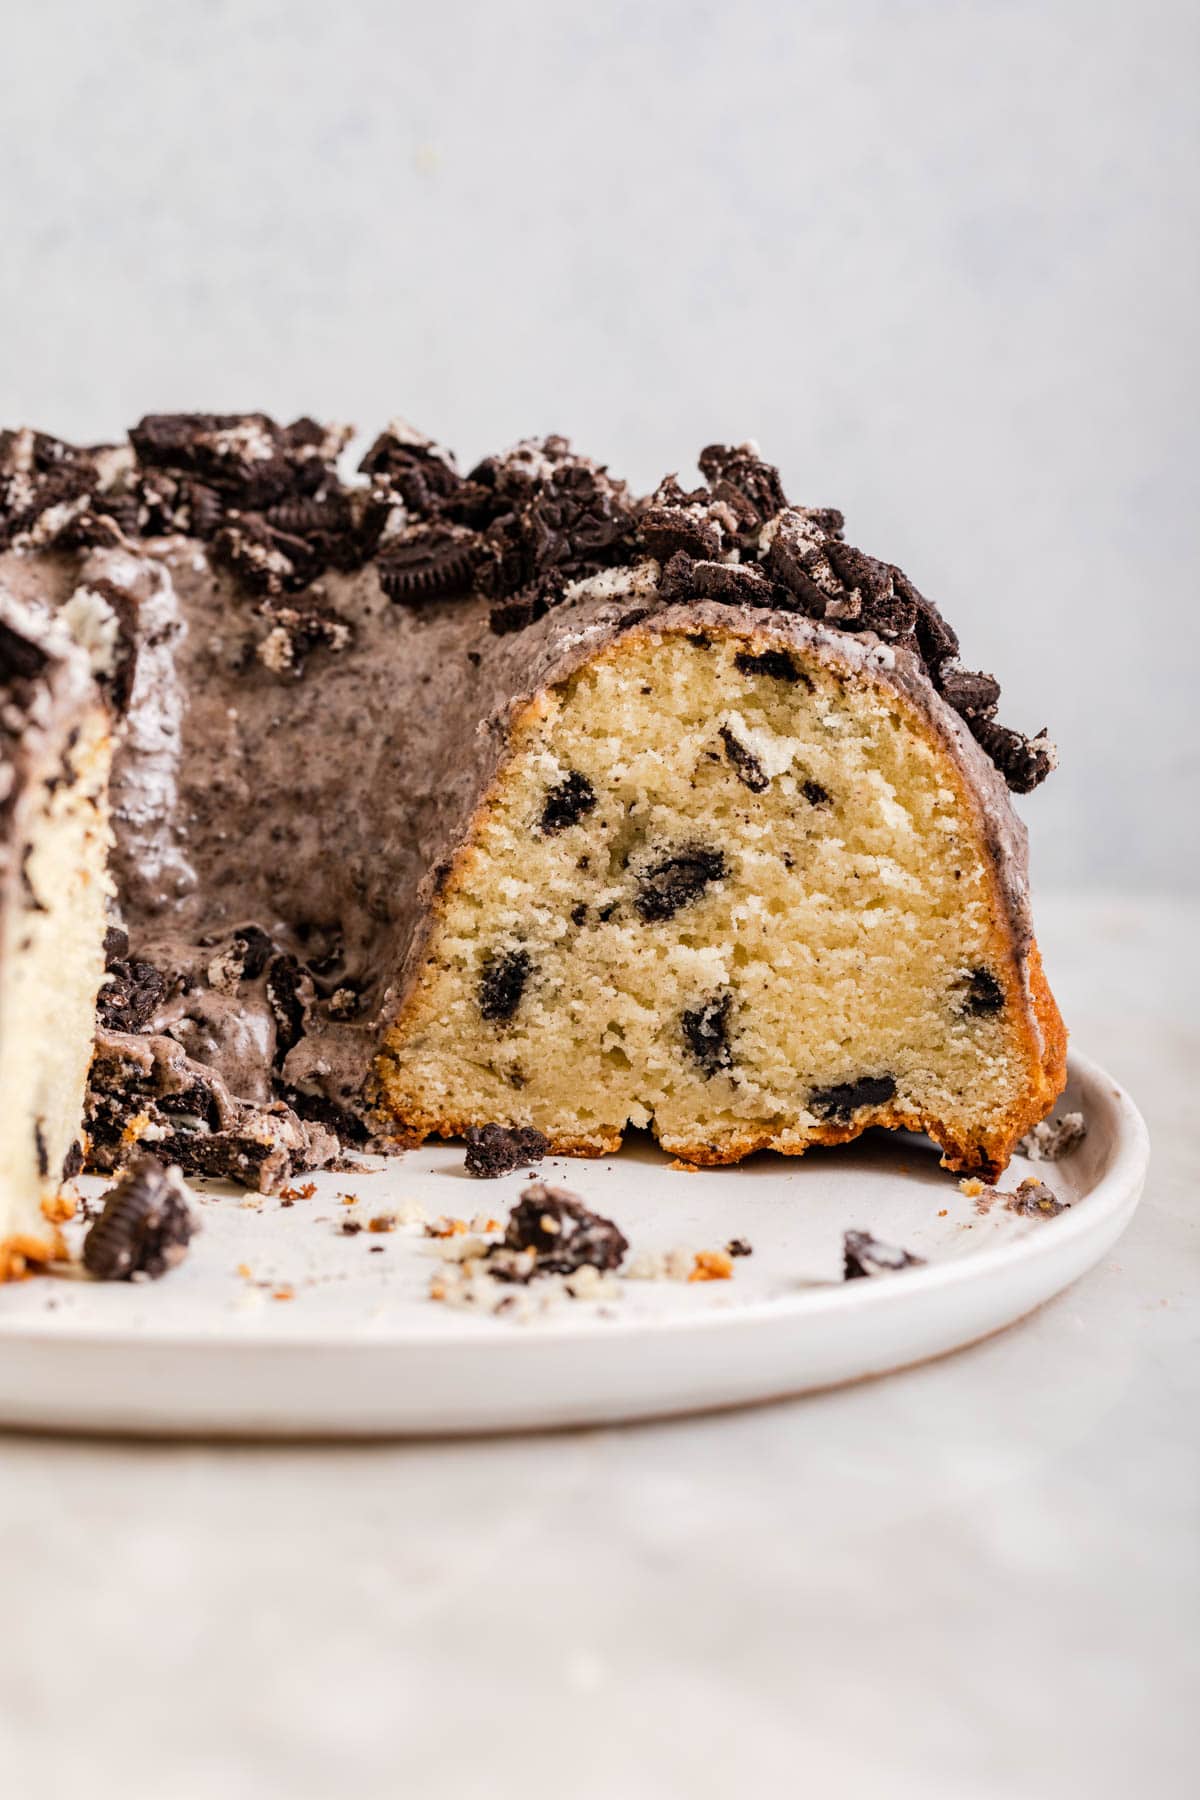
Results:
<point x="511" y="799"/>
<point x="54" y="764"/>
<point x="735" y="886"/>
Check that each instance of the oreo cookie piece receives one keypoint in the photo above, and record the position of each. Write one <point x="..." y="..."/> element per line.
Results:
<point x="560" y="1233"/>
<point x="427" y="562"/>
<point x="775" y="663"/>
<point x="132" y="992"/>
<point x="845" y="1098"/>
<point x="494" y="1150"/>
<point x="502" y="983"/>
<point x="864" y="1255"/>
<point x="982" y="994"/>
<point x="676" y="881"/>
<point x="706" y="1032"/>
<point x="1024" y="762"/>
<point x="567" y="802"/>
<point x="744" y="763"/>
<point x="145" y="1227"/>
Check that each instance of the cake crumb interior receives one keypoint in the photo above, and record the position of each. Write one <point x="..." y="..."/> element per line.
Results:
<point x="733" y="896"/>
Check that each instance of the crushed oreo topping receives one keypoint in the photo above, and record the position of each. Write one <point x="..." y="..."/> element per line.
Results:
<point x="132" y="990"/>
<point x="1023" y="762"/>
<point x="676" y="881"/>
<point x="567" y="802"/>
<point x="706" y="1031"/>
<point x="145" y="1227"/>
<point x="291" y="994"/>
<point x="494" y="1150"/>
<point x="427" y="562"/>
<point x="45" y="489"/>
<point x="502" y="983"/>
<point x="864" y="1255"/>
<point x="845" y="1098"/>
<point x="412" y="466"/>
<point x="518" y="528"/>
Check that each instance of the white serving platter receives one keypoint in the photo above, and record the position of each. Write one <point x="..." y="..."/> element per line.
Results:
<point x="360" y="1349"/>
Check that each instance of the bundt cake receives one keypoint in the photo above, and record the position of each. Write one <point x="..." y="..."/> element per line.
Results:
<point x="448" y="800"/>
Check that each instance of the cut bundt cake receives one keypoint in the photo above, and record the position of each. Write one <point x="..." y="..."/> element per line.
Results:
<point x="736" y="880"/>
<point x="508" y="798"/>
<point x="54" y="757"/>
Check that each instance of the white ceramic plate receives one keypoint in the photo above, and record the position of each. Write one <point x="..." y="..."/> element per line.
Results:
<point x="360" y="1349"/>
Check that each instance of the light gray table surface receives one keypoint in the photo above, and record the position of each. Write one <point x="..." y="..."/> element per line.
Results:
<point x="976" y="1578"/>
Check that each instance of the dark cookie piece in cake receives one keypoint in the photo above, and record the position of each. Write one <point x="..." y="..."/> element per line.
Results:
<point x="845" y="1098"/>
<point x="865" y="1255"/>
<point x="676" y="881"/>
<point x="494" y="1150"/>
<point x="502" y="983"/>
<point x="775" y="663"/>
<point x="744" y="763"/>
<point x="145" y="1227"/>
<point x="982" y="994"/>
<point x="561" y="1234"/>
<point x="706" y="1030"/>
<point x="567" y="802"/>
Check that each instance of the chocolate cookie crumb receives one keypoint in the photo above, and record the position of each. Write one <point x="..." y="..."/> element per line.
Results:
<point x="557" y="1230"/>
<point x="706" y="1029"/>
<point x="145" y="1227"/>
<point x="867" y="1255"/>
<point x="983" y="994"/>
<point x="744" y="763"/>
<point x="739" y="1246"/>
<point x="676" y="881"/>
<point x="775" y="663"/>
<point x="502" y="983"/>
<point x="494" y="1150"/>
<point x="571" y="800"/>
<point x="131" y="994"/>
<point x="845" y="1098"/>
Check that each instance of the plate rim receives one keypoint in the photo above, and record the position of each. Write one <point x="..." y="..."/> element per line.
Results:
<point x="1114" y="1197"/>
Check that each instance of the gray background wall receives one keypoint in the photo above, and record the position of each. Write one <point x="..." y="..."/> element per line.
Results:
<point x="940" y="259"/>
